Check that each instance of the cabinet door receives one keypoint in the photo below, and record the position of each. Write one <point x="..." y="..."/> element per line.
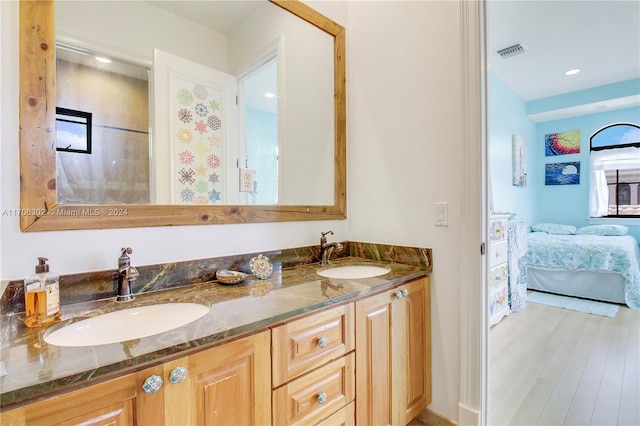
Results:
<point x="150" y="406"/>
<point x="412" y="365"/>
<point x="373" y="359"/>
<point x="393" y="355"/>
<point x="225" y="385"/>
<point x="108" y="403"/>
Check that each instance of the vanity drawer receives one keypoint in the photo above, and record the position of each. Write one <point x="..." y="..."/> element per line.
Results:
<point x="317" y="395"/>
<point x="343" y="417"/>
<point x="307" y="343"/>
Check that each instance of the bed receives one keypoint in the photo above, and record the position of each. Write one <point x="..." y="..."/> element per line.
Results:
<point x="591" y="266"/>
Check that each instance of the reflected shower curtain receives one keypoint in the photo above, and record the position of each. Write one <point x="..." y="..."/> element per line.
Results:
<point x="116" y="172"/>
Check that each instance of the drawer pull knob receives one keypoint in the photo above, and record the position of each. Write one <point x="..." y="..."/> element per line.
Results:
<point x="178" y="375"/>
<point x="405" y="292"/>
<point x="322" y="342"/>
<point x="398" y="294"/>
<point x="152" y="384"/>
<point x="322" y="398"/>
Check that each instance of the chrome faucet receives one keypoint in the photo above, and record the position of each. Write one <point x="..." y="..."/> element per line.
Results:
<point x="126" y="274"/>
<point x="327" y="248"/>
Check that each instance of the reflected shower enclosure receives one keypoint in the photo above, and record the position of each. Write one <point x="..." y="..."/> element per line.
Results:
<point x="115" y="95"/>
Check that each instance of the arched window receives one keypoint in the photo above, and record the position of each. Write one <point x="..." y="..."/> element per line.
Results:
<point x="614" y="186"/>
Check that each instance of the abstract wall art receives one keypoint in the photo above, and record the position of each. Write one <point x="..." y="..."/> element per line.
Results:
<point x="562" y="143"/>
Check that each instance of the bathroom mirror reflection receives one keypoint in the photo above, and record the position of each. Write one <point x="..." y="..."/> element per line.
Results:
<point x="38" y="193"/>
<point x="198" y="111"/>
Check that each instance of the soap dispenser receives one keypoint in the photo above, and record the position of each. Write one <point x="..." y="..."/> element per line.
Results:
<point x="42" y="296"/>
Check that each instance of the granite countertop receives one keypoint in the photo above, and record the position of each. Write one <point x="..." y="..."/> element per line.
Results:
<point x="31" y="368"/>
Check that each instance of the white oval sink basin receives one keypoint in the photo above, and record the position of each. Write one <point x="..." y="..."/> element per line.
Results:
<point x="127" y="324"/>
<point x="354" y="271"/>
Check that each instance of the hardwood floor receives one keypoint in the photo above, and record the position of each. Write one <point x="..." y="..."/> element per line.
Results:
<point x="552" y="366"/>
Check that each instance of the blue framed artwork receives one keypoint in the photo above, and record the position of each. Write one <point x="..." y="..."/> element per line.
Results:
<point x="562" y="173"/>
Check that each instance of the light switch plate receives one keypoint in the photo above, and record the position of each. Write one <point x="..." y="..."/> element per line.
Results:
<point x="247" y="179"/>
<point x="442" y="213"/>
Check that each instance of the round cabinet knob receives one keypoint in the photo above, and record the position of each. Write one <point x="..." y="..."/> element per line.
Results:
<point x="178" y="375"/>
<point x="322" y="398"/>
<point x="398" y="294"/>
<point x="405" y="292"/>
<point x="152" y="384"/>
<point x="322" y="342"/>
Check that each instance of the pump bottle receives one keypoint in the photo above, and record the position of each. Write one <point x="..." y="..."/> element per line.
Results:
<point x="41" y="296"/>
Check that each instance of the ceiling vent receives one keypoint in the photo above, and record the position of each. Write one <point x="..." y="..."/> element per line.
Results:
<point x="510" y="51"/>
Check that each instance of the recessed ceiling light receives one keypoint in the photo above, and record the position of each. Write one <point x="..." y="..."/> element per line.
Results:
<point x="269" y="95"/>
<point x="572" y="72"/>
<point x="103" y="59"/>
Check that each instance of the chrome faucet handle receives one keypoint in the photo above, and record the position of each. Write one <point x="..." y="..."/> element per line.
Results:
<point x="125" y="251"/>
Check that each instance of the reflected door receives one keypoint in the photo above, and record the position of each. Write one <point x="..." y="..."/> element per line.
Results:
<point x="260" y="153"/>
<point x="195" y="126"/>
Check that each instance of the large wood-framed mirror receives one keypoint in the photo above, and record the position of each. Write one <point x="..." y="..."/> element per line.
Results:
<point x="38" y="197"/>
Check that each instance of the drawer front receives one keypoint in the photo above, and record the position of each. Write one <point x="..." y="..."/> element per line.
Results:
<point x="498" y="229"/>
<point x="307" y="343"/>
<point x="498" y="276"/>
<point x="343" y="417"/>
<point x="498" y="299"/>
<point x="498" y="253"/>
<point x="316" y="395"/>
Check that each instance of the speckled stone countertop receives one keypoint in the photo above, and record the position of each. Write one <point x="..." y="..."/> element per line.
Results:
<point x="32" y="368"/>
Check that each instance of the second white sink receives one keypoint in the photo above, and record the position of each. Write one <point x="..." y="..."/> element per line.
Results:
<point x="127" y="324"/>
<point x="353" y="271"/>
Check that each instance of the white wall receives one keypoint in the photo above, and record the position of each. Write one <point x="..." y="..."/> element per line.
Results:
<point x="405" y="146"/>
<point x="78" y="251"/>
<point x="107" y="23"/>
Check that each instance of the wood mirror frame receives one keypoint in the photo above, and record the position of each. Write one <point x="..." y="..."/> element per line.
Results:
<point x="40" y="210"/>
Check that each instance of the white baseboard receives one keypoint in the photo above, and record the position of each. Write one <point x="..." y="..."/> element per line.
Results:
<point x="468" y="416"/>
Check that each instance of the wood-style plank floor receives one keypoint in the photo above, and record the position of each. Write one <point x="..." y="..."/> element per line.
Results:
<point x="551" y="366"/>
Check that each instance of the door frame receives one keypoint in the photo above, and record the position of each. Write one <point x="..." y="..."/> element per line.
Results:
<point x="473" y="405"/>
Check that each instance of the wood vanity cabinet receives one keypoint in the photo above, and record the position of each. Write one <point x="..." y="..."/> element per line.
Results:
<point x="226" y="385"/>
<point x="393" y="355"/>
<point x="313" y="369"/>
<point x="229" y="384"/>
<point x="365" y="362"/>
<point x="112" y="402"/>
